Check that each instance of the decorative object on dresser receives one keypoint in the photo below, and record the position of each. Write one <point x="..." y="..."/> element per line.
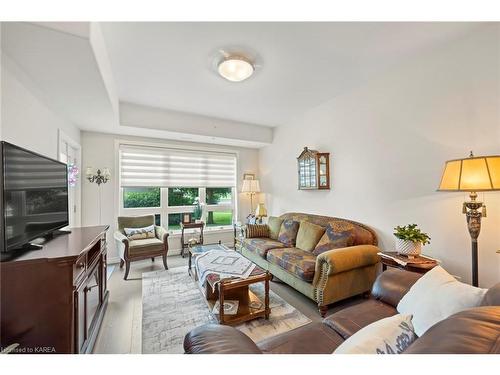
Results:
<point x="251" y="187"/>
<point x="420" y="263"/>
<point x="130" y="249"/>
<point x="473" y="174"/>
<point x="313" y="170"/>
<point x="60" y="306"/>
<point x="409" y="240"/>
<point x="198" y="236"/>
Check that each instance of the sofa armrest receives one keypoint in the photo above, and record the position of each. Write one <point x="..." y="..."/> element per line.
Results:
<point x="122" y="243"/>
<point x="391" y="285"/>
<point x="345" y="259"/>
<point x="218" y="339"/>
<point x="161" y="233"/>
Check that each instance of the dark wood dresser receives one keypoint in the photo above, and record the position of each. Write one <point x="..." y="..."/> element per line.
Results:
<point x="53" y="300"/>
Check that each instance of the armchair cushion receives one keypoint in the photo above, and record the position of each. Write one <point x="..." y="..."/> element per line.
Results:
<point x="140" y="233"/>
<point x="137" y="247"/>
<point x="135" y="221"/>
<point x="299" y="262"/>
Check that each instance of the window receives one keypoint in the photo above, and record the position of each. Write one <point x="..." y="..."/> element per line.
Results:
<point x="169" y="183"/>
<point x="182" y="196"/>
<point x="141" y="197"/>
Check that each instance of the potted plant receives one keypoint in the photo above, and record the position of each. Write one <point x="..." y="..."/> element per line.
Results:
<point x="409" y="239"/>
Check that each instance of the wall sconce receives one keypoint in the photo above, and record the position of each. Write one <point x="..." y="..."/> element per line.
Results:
<point x="98" y="177"/>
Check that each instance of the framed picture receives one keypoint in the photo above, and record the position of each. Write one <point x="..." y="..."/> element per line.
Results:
<point x="186" y="218"/>
<point x="249" y="176"/>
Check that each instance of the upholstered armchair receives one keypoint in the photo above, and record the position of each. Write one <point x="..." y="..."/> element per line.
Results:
<point x="139" y="249"/>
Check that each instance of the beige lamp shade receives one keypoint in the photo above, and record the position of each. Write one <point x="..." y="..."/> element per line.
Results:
<point x="480" y="173"/>
<point x="250" y="186"/>
<point x="261" y="210"/>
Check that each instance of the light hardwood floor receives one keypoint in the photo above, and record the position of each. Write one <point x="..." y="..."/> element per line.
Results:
<point x="121" y="327"/>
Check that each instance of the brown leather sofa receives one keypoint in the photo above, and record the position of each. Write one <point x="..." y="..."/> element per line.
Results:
<point x="474" y="331"/>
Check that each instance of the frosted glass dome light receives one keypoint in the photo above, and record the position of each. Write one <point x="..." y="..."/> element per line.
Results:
<point x="235" y="69"/>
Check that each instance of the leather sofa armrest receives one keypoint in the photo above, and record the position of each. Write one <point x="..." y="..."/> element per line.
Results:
<point x="161" y="233"/>
<point x="218" y="339"/>
<point x="391" y="285"/>
<point x="345" y="259"/>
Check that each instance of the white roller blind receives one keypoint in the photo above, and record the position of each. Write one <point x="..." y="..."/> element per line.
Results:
<point x="164" y="167"/>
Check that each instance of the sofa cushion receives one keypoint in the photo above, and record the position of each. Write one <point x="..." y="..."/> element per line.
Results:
<point x="337" y="234"/>
<point x="140" y="233"/>
<point x="299" y="262"/>
<point x="288" y="232"/>
<point x="312" y="338"/>
<point x="274" y="224"/>
<point x="257" y="231"/>
<point x="350" y="320"/>
<point x="448" y="297"/>
<point x="309" y="235"/>
<point x="473" y="331"/>
<point x="261" y="246"/>
<point x="137" y="247"/>
<point x="391" y="335"/>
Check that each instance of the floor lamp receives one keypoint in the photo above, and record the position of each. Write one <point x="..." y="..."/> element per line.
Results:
<point x="473" y="174"/>
<point x="251" y="187"/>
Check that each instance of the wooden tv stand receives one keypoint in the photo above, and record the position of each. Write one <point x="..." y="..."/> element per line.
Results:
<point x="53" y="300"/>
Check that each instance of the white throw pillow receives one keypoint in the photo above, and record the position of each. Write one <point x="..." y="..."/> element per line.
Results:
<point x="436" y="296"/>
<point x="390" y="335"/>
<point x="140" y="233"/>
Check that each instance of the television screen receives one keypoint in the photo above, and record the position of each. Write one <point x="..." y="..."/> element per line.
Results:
<point x="35" y="196"/>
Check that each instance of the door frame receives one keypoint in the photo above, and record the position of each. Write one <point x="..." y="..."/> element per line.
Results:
<point x="63" y="137"/>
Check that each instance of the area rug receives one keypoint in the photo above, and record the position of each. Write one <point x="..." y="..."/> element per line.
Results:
<point x="172" y="305"/>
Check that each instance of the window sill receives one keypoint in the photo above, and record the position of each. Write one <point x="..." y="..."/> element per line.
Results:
<point x="177" y="233"/>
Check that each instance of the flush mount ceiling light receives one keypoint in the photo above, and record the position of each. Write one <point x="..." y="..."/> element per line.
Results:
<point x="235" y="68"/>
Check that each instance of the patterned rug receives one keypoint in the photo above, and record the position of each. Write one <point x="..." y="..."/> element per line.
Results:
<point x="172" y="305"/>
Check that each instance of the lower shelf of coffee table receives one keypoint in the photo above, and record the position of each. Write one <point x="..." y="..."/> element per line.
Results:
<point x="245" y="312"/>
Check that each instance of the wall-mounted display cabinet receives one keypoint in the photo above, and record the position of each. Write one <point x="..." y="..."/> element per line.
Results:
<point x="313" y="170"/>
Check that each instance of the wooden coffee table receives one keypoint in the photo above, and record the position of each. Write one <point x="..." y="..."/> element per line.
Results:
<point x="250" y="306"/>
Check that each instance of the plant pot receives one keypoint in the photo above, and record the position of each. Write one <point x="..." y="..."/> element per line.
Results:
<point x="408" y="248"/>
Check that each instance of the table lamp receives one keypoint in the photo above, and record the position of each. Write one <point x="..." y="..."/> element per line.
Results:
<point x="260" y="212"/>
<point x="251" y="187"/>
<point x="473" y="174"/>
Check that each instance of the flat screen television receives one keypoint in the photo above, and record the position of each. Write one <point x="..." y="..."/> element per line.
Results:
<point x="34" y="197"/>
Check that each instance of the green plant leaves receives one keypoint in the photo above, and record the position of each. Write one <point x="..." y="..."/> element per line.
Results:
<point x="411" y="232"/>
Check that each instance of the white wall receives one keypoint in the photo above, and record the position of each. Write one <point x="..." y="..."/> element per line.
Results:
<point x="26" y="119"/>
<point x="388" y="142"/>
<point x="98" y="151"/>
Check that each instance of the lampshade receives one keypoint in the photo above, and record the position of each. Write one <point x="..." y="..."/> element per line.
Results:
<point x="250" y="186"/>
<point x="481" y="173"/>
<point x="261" y="210"/>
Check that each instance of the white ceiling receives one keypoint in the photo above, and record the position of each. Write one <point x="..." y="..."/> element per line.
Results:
<point x="170" y="65"/>
<point x="158" y="79"/>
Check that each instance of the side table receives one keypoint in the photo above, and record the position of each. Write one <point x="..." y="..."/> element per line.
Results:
<point x="419" y="264"/>
<point x="184" y="244"/>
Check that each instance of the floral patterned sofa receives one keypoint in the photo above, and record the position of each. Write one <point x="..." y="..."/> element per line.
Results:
<point x="342" y="264"/>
